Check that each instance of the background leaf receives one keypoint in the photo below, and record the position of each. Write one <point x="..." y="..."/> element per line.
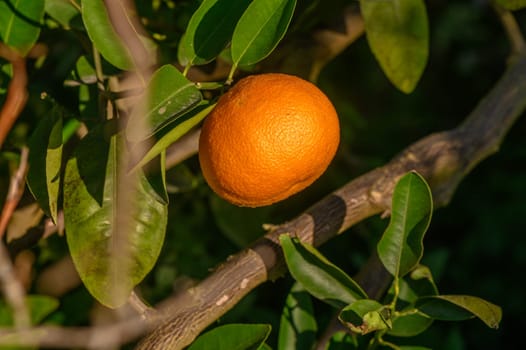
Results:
<point x="93" y="231"/>
<point x="103" y="35"/>
<point x="20" y="23"/>
<point x="398" y="34"/>
<point x="260" y="29"/>
<point x="317" y="275"/>
<point x="45" y="161"/>
<point x="460" y="307"/>
<point x="168" y="95"/>
<point x="233" y="337"/>
<point x="209" y="30"/>
<point x="297" y="328"/>
<point x="512" y="4"/>
<point x="39" y="306"/>
<point x="400" y="248"/>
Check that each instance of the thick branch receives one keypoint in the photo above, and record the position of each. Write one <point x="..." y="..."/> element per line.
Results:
<point x="443" y="159"/>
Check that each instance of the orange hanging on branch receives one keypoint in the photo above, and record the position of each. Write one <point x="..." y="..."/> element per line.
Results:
<point x="268" y="137"/>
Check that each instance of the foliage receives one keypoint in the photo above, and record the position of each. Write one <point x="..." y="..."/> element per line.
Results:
<point x="129" y="220"/>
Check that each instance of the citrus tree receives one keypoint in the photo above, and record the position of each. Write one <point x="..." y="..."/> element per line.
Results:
<point x="116" y="235"/>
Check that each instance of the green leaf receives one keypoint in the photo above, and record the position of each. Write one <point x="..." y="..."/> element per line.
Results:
<point x="260" y="29"/>
<point x="342" y="341"/>
<point x="512" y="4"/>
<point x="413" y="347"/>
<point x="400" y="248"/>
<point x="365" y="316"/>
<point x="111" y="252"/>
<point x="20" y="23"/>
<point x="180" y="127"/>
<point x="410" y="325"/>
<point x="297" y="329"/>
<point x="413" y="286"/>
<point x="45" y="159"/>
<point x="460" y="307"/>
<point x="398" y="34"/>
<point x="62" y="11"/>
<point x="319" y="276"/>
<point x="168" y="95"/>
<point x="103" y="35"/>
<point x="233" y="337"/>
<point x="209" y="30"/>
<point x="39" y="306"/>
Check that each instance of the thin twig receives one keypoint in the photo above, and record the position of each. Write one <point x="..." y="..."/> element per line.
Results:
<point x="16" y="189"/>
<point x="16" y="92"/>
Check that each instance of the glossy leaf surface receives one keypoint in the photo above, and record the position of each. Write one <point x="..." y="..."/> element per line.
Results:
<point x="460" y="307"/>
<point x="168" y="95"/>
<point x="298" y="324"/>
<point x="62" y="11"/>
<point x="233" y="337"/>
<point x="20" y="23"/>
<point x="210" y="30"/>
<point x="401" y="248"/>
<point x="398" y="34"/>
<point x="319" y="276"/>
<point x="413" y="286"/>
<point x="260" y="29"/>
<point x="180" y="127"/>
<point x="365" y="316"/>
<point x="103" y="35"/>
<point x="112" y="249"/>
<point x="45" y="159"/>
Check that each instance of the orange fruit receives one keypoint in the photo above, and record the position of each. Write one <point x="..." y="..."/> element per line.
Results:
<point x="269" y="137"/>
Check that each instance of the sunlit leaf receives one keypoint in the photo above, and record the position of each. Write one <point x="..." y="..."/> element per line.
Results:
<point x="365" y="316"/>
<point x="20" y="23"/>
<point x="233" y="337"/>
<point x="111" y="252"/>
<point x="62" y="11"/>
<point x="319" y="276"/>
<point x="180" y="127"/>
<point x="460" y="307"/>
<point x="398" y="34"/>
<point x="298" y="326"/>
<point x="168" y="95"/>
<point x="260" y="29"/>
<point x="209" y="30"/>
<point x="103" y="35"/>
<point x="512" y="4"/>
<point x="45" y="159"/>
<point x="401" y="248"/>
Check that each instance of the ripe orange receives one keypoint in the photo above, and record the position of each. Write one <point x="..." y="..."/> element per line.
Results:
<point x="269" y="137"/>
